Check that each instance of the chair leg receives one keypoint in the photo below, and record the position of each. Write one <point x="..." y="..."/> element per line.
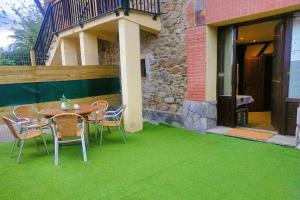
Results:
<point x="45" y="144"/>
<point x="101" y="135"/>
<point x="36" y="144"/>
<point x="56" y="146"/>
<point x="96" y="133"/>
<point x="122" y="127"/>
<point x="87" y="142"/>
<point x="247" y="116"/>
<point x="83" y="148"/>
<point x="122" y="135"/>
<point x="108" y="129"/>
<point x="13" y="148"/>
<point x="21" y="150"/>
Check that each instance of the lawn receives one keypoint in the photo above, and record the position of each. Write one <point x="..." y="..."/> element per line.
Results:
<point x="161" y="162"/>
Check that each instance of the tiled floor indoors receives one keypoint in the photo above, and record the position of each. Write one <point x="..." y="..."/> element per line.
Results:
<point x="260" y="120"/>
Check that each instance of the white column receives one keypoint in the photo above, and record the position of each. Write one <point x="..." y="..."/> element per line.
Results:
<point x="88" y="49"/>
<point x="129" y="36"/>
<point x="68" y="52"/>
<point x="298" y="128"/>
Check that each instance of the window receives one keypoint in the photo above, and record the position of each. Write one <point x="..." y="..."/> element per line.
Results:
<point x="294" y="84"/>
<point x="143" y="68"/>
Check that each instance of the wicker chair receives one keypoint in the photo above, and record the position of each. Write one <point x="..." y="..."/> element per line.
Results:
<point x="21" y="138"/>
<point x="113" y="119"/>
<point x="31" y="114"/>
<point x="68" y="128"/>
<point x="97" y="116"/>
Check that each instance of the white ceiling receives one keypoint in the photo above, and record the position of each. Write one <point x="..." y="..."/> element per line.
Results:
<point x="257" y="33"/>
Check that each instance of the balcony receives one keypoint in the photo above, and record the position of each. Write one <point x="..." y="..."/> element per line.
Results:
<point x="63" y="15"/>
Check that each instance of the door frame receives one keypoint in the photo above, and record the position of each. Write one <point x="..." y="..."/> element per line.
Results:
<point x="288" y="23"/>
<point x="220" y="85"/>
<point x="288" y="27"/>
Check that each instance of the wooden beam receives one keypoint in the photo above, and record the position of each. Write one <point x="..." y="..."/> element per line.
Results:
<point x="266" y="45"/>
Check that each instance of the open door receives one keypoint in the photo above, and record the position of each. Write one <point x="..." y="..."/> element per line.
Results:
<point x="277" y="77"/>
<point x="254" y="82"/>
<point x="227" y="70"/>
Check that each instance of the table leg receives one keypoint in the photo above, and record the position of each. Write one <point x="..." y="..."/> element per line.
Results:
<point x="87" y="128"/>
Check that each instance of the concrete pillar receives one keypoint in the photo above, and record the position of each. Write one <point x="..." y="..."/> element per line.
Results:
<point x="88" y="49"/>
<point x="129" y="37"/>
<point x="68" y="52"/>
<point x="298" y="128"/>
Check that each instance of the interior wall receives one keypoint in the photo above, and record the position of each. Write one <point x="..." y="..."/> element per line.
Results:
<point x="253" y="50"/>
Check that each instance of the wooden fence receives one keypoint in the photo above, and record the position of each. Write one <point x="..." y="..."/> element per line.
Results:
<point x="19" y="78"/>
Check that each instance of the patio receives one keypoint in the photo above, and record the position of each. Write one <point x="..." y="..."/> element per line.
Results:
<point x="160" y="162"/>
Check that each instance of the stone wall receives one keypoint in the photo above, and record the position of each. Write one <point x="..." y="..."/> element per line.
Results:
<point x="199" y="115"/>
<point x="109" y="53"/>
<point x="165" y="55"/>
<point x="164" y="87"/>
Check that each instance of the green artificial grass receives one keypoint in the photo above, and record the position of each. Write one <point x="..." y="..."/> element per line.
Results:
<point x="160" y="162"/>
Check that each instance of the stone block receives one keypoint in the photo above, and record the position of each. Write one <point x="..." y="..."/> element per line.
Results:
<point x="169" y="100"/>
<point x="199" y="116"/>
<point x="162" y="106"/>
<point x="174" y="108"/>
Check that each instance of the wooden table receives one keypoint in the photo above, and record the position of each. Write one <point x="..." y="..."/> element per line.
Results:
<point x="84" y="111"/>
<point x="244" y="100"/>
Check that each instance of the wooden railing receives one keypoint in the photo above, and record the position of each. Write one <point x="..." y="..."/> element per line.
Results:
<point x="64" y="14"/>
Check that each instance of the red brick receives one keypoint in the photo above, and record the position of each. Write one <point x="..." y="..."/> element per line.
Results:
<point x="216" y="11"/>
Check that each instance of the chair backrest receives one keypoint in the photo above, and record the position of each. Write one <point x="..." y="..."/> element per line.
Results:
<point x="66" y="125"/>
<point x="11" y="126"/>
<point x="102" y="107"/>
<point x="26" y="112"/>
<point x="121" y="112"/>
<point x="116" y="115"/>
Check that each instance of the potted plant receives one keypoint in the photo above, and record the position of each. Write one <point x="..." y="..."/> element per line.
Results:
<point x="65" y="103"/>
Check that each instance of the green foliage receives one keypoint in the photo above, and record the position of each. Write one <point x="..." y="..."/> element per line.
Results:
<point x="64" y="99"/>
<point x="25" y="28"/>
<point x="6" y="61"/>
<point x="25" y="25"/>
<point x="13" y="58"/>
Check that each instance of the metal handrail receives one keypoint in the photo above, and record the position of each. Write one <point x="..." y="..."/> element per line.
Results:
<point x="64" y="14"/>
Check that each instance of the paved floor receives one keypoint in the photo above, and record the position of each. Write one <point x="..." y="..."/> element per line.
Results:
<point x="276" y="139"/>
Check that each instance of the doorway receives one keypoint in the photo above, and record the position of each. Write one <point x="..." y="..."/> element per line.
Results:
<point x="258" y="84"/>
<point x="250" y="75"/>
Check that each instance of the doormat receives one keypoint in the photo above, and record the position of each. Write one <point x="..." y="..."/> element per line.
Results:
<point x="248" y="134"/>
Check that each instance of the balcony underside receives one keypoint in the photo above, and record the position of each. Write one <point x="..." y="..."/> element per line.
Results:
<point x="105" y="28"/>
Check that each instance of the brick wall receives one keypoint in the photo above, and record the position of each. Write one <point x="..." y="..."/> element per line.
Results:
<point x="220" y="10"/>
<point x="216" y="11"/>
<point x="196" y="62"/>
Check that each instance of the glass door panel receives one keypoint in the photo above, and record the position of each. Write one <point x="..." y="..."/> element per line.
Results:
<point x="226" y="76"/>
